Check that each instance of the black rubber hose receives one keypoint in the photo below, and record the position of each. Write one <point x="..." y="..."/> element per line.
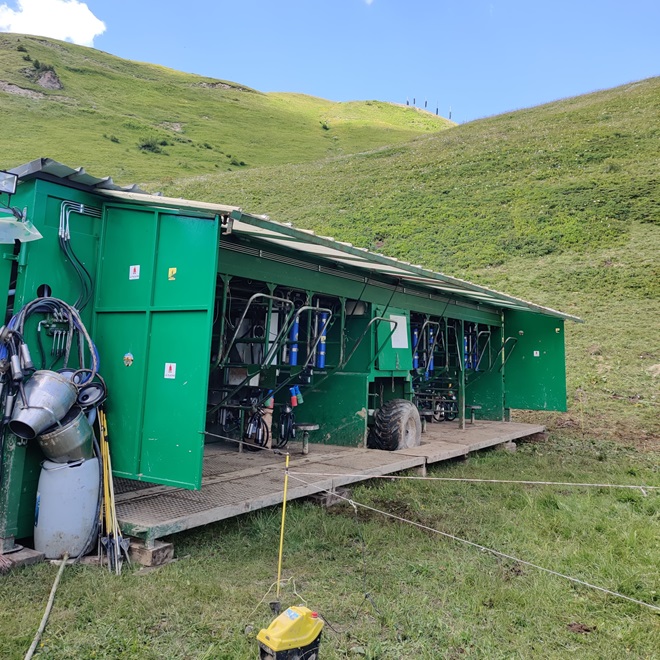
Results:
<point x="82" y="293"/>
<point x="83" y="273"/>
<point x="57" y="306"/>
<point x="42" y="352"/>
<point x="66" y="247"/>
<point x="265" y="434"/>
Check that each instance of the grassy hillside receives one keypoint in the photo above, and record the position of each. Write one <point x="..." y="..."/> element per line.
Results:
<point x="140" y="122"/>
<point x="568" y="175"/>
<point x="559" y="204"/>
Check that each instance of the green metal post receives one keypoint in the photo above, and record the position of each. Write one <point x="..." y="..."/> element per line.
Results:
<point x="223" y="312"/>
<point x="342" y="329"/>
<point x="461" y="376"/>
<point x="11" y="483"/>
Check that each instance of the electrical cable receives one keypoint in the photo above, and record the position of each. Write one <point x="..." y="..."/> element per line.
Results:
<point x="62" y="312"/>
<point x="367" y="596"/>
<point x="487" y="481"/>
<point x="86" y="282"/>
<point x="242" y="442"/>
<point x="483" y="548"/>
<point x="40" y="344"/>
<point x="283" y="582"/>
<point x="49" y="607"/>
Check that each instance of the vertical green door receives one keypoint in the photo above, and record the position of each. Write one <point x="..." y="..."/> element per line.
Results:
<point x="153" y="329"/>
<point x="535" y="368"/>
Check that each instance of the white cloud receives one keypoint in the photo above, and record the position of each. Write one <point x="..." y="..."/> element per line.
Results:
<point x="369" y="2"/>
<point x="68" y="20"/>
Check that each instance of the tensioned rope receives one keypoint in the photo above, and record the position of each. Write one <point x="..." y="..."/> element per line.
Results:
<point x="252" y="447"/>
<point x="483" y="548"/>
<point x="485" y="481"/>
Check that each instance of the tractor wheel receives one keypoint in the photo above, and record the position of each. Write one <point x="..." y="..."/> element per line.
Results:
<point x="396" y="426"/>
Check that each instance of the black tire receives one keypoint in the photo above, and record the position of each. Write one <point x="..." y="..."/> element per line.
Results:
<point x="397" y="425"/>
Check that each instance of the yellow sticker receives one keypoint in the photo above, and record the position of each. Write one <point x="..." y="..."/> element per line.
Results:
<point x="171" y="274"/>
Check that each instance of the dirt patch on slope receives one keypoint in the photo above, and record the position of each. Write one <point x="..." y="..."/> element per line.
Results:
<point x="49" y="80"/>
<point x="20" y="91"/>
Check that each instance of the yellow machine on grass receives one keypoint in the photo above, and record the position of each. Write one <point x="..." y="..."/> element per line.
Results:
<point x="293" y="635"/>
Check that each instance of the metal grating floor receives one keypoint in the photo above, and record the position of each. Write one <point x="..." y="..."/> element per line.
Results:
<point x="234" y="483"/>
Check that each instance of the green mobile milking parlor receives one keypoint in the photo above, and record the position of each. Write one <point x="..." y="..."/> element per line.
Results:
<point x="204" y="318"/>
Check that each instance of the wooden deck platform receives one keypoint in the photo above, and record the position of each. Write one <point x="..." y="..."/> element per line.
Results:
<point x="235" y="483"/>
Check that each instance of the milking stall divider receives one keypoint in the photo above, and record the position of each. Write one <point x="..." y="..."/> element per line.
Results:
<point x="212" y="324"/>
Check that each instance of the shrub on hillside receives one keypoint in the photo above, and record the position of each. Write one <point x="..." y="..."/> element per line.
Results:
<point x="42" y="67"/>
<point x="150" y="144"/>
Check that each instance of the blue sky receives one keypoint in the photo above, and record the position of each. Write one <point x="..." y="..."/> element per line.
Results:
<point x="479" y="57"/>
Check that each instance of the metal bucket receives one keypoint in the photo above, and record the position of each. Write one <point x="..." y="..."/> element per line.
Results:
<point x="49" y="396"/>
<point x="69" y="440"/>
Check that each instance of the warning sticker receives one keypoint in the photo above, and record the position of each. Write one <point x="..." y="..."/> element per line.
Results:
<point x="170" y="370"/>
<point x="134" y="273"/>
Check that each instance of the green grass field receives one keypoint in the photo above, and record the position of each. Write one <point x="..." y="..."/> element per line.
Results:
<point x="429" y="597"/>
<point x="557" y="204"/>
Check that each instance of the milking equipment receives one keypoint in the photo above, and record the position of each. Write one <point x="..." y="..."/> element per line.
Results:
<point x="270" y="346"/>
<point x="56" y="409"/>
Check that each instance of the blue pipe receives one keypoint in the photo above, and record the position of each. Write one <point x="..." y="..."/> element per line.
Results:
<point x="320" y="355"/>
<point x="415" y="342"/>
<point x="293" y="337"/>
<point x="431" y="347"/>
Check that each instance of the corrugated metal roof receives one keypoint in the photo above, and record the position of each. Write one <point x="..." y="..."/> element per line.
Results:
<point x="76" y="175"/>
<point x="324" y="247"/>
<point x="170" y="202"/>
<point x="107" y="187"/>
<point x="300" y="240"/>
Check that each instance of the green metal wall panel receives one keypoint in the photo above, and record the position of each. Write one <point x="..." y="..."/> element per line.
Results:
<point x="11" y="492"/>
<point x="361" y="353"/>
<point x="175" y="399"/>
<point x="29" y="482"/>
<point x="535" y="369"/>
<point x="127" y="262"/>
<point x="156" y="316"/>
<point x="186" y="258"/>
<point x="21" y="470"/>
<point x="122" y="341"/>
<point x="337" y="405"/>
